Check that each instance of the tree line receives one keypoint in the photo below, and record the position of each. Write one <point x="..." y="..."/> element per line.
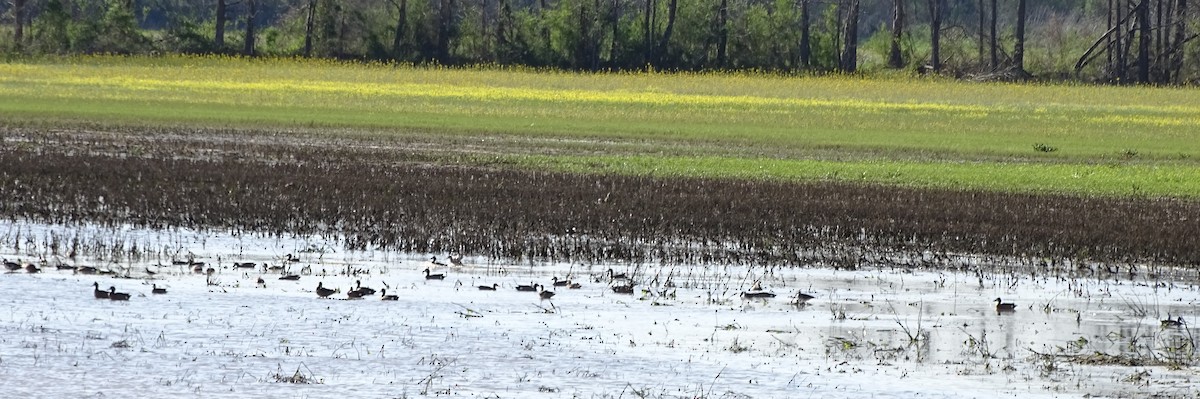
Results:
<point x="1115" y="41"/>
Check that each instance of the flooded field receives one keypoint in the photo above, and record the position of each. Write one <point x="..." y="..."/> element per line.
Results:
<point x="684" y="331"/>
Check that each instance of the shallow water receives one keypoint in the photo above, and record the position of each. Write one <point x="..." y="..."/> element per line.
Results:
<point x="868" y="333"/>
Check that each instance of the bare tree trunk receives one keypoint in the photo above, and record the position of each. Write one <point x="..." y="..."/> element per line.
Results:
<point x="722" y="33"/>
<point x="251" y="13"/>
<point x="672" y="7"/>
<point x="1109" y="41"/>
<point x="1122" y="52"/>
<point x="401" y="29"/>
<point x="19" y="22"/>
<point x="502" y="15"/>
<point x="935" y="35"/>
<point x="1105" y="38"/>
<point x="583" y="45"/>
<point x="543" y="11"/>
<point x="614" y="23"/>
<point x="849" y="58"/>
<point x="1162" y="59"/>
<point x="1144" y="41"/>
<point x="648" y="33"/>
<point x="445" y="20"/>
<point x="1019" y="47"/>
<point x="1155" y="15"/>
<point x="992" y="40"/>
<point x="219" y="35"/>
<point x="895" y="57"/>
<point x="981" y="35"/>
<point x="805" y="38"/>
<point x="482" y="47"/>
<point x="309" y="24"/>
<point x="1180" y="35"/>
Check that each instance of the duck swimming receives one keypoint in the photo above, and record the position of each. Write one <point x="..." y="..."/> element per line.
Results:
<point x="1173" y="323"/>
<point x="434" y="276"/>
<point x="364" y="290"/>
<point x="117" y="296"/>
<point x="1005" y="307"/>
<point x="98" y="293"/>
<point x="322" y="291"/>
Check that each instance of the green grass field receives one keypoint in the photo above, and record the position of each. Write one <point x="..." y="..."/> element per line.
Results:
<point x="1110" y="141"/>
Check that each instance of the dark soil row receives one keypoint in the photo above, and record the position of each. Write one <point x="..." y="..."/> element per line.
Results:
<point x="382" y="193"/>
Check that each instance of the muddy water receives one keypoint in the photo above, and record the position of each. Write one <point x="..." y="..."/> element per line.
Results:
<point x="685" y="332"/>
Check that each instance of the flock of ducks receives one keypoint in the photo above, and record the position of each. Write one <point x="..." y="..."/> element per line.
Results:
<point x="360" y="292"/>
<point x="620" y="283"/>
<point x="1006" y="307"/>
<point x="112" y="293"/>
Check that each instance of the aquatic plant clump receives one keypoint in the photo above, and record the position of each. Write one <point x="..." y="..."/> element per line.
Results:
<point x="391" y="193"/>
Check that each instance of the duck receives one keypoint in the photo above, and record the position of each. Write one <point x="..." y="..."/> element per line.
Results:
<point x="1173" y="323"/>
<point x="758" y="294"/>
<point x="117" y="296"/>
<point x="322" y="291"/>
<point x="384" y="296"/>
<point x="433" y="260"/>
<point x="31" y="268"/>
<point x="456" y="259"/>
<point x="1005" y="307"/>
<point x="364" y="290"/>
<point x="354" y="294"/>
<point x="261" y="283"/>
<point x="801" y="298"/>
<point x="575" y="286"/>
<point x="623" y="289"/>
<point x="488" y="287"/>
<point x="86" y="270"/>
<point x="290" y="277"/>
<point x="527" y="288"/>
<point x="155" y="290"/>
<point x="98" y="293"/>
<point x="546" y="294"/>
<point x="11" y="266"/>
<point x="243" y="265"/>
<point x="434" y="276"/>
<point x="561" y="283"/>
<point x="616" y="276"/>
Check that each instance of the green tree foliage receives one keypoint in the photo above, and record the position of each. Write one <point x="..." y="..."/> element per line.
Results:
<point x="1064" y="38"/>
<point x="117" y="31"/>
<point x="52" y="30"/>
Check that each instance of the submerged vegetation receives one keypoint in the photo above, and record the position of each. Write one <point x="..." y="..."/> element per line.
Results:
<point x="385" y="193"/>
